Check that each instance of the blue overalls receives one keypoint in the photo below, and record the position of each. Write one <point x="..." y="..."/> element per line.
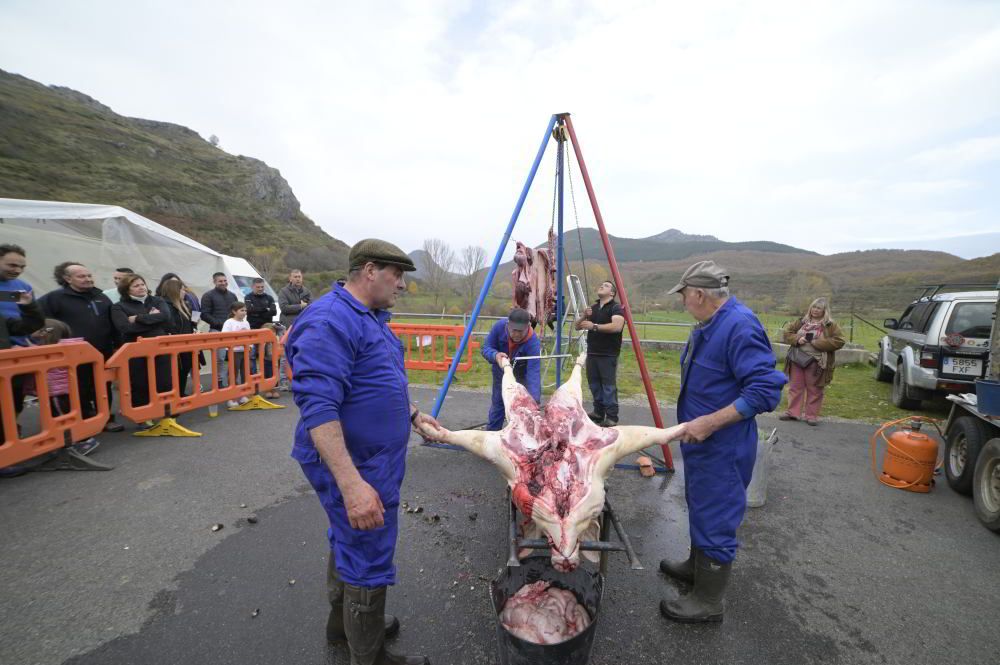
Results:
<point x="727" y="360"/>
<point x="348" y="367"/>
<point x="528" y="373"/>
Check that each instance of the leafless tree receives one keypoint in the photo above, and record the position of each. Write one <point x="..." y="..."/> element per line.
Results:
<point x="214" y="140"/>
<point x="470" y="264"/>
<point x="267" y="261"/>
<point x="438" y="263"/>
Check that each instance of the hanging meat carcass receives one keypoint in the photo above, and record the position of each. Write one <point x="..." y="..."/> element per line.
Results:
<point x="555" y="460"/>
<point x="534" y="280"/>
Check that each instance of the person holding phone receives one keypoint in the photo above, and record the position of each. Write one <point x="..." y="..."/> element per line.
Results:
<point x="813" y="341"/>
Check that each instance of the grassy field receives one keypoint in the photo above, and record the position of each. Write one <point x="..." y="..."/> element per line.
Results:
<point x="854" y="393"/>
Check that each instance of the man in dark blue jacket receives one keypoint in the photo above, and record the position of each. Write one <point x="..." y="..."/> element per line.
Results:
<point x="728" y="377"/>
<point x="512" y="338"/>
<point x="349" y="382"/>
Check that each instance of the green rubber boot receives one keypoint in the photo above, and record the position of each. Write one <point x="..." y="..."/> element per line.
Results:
<point x="680" y="570"/>
<point x="365" y="627"/>
<point x="704" y="603"/>
<point x="335" y="622"/>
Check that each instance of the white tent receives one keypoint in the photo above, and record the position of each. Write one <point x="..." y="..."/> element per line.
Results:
<point x="107" y="237"/>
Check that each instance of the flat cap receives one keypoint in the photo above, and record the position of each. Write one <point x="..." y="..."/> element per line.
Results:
<point x="378" y="251"/>
<point x="703" y="275"/>
<point x="518" y="319"/>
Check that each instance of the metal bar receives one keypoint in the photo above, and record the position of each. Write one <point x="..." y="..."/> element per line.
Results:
<point x="488" y="282"/>
<point x="604" y="536"/>
<point x="585" y="545"/>
<point x="512" y="559"/>
<point x="622" y="536"/>
<point x="553" y="355"/>
<point x="620" y="285"/>
<point x="561" y="138"/>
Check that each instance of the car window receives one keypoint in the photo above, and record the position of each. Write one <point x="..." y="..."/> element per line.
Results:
<point x="971" y="319"/>
<point x="913" y="316"/>
<point x="922" y="320"/>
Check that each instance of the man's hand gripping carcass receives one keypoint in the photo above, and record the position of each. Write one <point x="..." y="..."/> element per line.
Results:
<point x="555" y="460"/>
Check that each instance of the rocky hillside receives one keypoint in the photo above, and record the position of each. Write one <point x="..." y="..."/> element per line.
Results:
<point x="59" y="144"/>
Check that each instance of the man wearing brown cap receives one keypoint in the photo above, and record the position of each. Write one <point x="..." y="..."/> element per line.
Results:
<point x="355" y="418"/>
<point x="727" y="378"/>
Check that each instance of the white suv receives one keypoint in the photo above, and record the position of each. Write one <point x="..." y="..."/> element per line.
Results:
<point x="940" y="344"/>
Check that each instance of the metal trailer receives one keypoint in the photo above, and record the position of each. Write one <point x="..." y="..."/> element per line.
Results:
<point x="972" y="445"/>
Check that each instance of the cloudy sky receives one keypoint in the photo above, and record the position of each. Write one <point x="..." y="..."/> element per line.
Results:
<point x="827" y="125"/>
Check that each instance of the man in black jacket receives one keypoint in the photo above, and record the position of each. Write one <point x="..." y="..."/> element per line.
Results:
<point x="215" y="302"/>
<point x="87" y="312"/>
<point x="214" y="311"/>
<point x="603" y="322"/>
<point x="261" y="307"/>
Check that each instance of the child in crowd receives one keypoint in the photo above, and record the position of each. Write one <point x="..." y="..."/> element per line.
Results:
<point x="236" y="322"/>
<point x="57" y="378"/>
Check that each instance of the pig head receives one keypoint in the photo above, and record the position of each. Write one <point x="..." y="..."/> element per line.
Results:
<point x="555" y="460"/>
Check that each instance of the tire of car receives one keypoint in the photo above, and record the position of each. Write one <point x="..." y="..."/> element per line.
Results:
<point x="965" y="439"/>
<point x="882" y="373"/>
<point x="986" y="486"/>
<point x="899" y="397"/>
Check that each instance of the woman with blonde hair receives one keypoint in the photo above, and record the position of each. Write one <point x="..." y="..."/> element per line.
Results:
<point x="812" y="340"/>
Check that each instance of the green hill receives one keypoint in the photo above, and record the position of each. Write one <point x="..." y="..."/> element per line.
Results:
<point x="59" y="144"/>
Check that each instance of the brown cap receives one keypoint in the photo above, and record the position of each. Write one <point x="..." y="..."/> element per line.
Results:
<point x="379" y="251"/>
<point x="703" y="275"/>
<point x="518" y="319"/>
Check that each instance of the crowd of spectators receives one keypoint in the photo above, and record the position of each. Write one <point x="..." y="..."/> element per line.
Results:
<point x="76" y="310"/>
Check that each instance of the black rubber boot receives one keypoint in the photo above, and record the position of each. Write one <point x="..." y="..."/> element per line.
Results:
<point x="680" y="570"/>
<point x="704" y="603"/>
<point x="365" y="628"/>
<point x="335" y="622"/>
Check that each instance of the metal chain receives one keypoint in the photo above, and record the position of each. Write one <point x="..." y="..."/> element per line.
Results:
<point x="576" y="217"/>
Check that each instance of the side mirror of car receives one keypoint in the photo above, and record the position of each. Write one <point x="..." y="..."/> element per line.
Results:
<point x="890" y="324"/>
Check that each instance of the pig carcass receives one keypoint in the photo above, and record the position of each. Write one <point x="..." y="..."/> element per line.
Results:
<point x="534" y="280"/>
<point x="555" y="460"/>
<point x="544" y="614"/>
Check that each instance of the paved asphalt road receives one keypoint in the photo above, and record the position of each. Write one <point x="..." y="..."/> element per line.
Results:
<point x="122" y="567"/>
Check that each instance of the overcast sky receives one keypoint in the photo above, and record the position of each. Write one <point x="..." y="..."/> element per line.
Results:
<point x="826" y="125"/>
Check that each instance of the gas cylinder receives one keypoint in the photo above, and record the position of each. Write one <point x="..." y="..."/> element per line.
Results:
<point x="910" y="459"/>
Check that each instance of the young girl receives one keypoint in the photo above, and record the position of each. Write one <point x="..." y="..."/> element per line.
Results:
<point x="57" y="378"/>
<point x="236" y="322"/>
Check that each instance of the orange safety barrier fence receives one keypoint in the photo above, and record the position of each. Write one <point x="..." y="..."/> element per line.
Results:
<point x="165" y="399"/>
<point x="58" y="430"/>
<point x="432" y="346"/>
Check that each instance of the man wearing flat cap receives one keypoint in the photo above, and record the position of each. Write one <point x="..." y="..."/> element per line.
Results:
<point x="727" y="378"/>
<point x="351" y="389"/>
<point x="512" y="338"/>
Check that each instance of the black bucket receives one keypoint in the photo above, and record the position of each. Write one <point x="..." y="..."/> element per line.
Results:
<point x="589" y="590"/>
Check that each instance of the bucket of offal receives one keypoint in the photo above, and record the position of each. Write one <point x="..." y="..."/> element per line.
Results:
<point x="588" y="588"/>
<point x="911" y="457"/>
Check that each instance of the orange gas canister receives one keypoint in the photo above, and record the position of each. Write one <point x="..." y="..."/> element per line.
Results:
<point x="911" y="456"/>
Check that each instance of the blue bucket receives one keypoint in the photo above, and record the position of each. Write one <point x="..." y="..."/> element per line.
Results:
<point x="988" y="397"/>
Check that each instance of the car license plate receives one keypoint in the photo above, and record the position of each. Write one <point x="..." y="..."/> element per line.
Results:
<point x="962" y="366"/>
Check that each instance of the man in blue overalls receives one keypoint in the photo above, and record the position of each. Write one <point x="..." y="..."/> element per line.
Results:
<point x="512" y="338"/>
<point x="355" y="417"/>
<point x="727" y="378"/>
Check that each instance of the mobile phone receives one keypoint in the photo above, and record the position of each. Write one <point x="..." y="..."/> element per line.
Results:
<point x="809" y="337"/>
<point x="10" y="296"/>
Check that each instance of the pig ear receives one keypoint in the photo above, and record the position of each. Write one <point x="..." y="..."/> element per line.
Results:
<point x="632" y="439"/>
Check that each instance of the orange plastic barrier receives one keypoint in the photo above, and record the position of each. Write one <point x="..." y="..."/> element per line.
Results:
<point x="432" y="346"/>
<point x="170" y="402"/>
<point x="57" y="431"/>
